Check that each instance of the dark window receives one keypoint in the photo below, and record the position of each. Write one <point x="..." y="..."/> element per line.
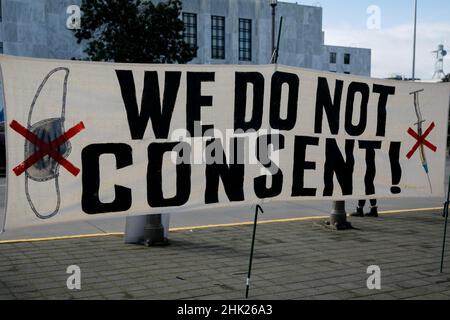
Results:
<point x="1" y="46"/>
<point x="333" y="57"/>
<point x="218" y="37"/>
<point x="190" y="30"/>
<point x="245" y="40"/>
<point x="346" y="72"/>
<point x="347" y="58"/>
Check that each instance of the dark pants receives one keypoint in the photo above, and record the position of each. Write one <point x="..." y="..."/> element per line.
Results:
<point x="362" y="203"/>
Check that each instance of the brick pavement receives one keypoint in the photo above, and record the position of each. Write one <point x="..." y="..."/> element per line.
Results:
<point x="293" y="260"/>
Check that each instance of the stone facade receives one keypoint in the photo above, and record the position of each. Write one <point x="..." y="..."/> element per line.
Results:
<point x="37" y="28"/>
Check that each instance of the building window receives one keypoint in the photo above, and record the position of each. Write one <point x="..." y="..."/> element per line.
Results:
<point x="346" y="72"/>
<point x="347" y="58"/>
<point x="245" y="40"/>
<point x="218" y="37"/>
<point x="190" y="30"/>
<point x="1" y="46"/>
<point x="333" y="56"/>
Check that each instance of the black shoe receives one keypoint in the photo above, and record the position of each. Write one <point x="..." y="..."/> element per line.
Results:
<point x="373" y="212"/>
<point x="358" y="213"/>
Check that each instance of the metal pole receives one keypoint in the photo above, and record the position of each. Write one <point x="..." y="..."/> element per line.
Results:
<point x="446" y="203"/>
<point x="414" y="45"/>
<point x="258" y="207"/>
<point x="273" y="27"/>
<point x="338" y="216"/>
<point x="154" y="231"/>
<point x="277" y="49"/>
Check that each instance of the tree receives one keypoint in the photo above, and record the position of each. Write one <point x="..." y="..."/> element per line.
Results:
<point x="133" y="31"/>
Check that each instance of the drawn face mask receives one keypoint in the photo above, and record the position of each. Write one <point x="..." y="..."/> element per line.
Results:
<point x="46" y="130"/>
<point x="47" y="100"/>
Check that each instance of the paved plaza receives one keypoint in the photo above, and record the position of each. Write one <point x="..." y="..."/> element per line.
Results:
<point x="298" y="259"/>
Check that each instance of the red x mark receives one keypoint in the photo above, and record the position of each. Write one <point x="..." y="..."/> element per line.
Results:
<point x="46" y="148"/>
<point x="421" y="140"/>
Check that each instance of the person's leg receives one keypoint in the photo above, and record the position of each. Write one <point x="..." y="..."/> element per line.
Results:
<point x="359" y="209"/>
<point x="373" y="209"/>
<point x="362" y="203"/>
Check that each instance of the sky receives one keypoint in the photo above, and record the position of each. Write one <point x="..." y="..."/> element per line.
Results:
<point x="345" y="22"/>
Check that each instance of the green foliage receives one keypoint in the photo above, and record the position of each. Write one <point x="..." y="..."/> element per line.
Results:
<point x="133" y="31"/>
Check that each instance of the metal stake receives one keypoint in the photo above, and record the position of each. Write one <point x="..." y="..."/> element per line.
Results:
<point x="277" y="50"/>
<point x="414" y="45"/>
<point x="446" y="203"/>
<point x="274" y="5"/>
<point x="258" y="207"/>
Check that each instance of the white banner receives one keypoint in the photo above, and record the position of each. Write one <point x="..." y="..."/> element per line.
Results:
<point x="89" y="140"/>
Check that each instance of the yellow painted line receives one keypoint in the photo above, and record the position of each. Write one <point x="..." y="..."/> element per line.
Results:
<point x="210" y="226"/>
<point x="410" y="210"/>
<point x="81" y="236"/>
<point x="292" y="220"/>
<point x="248" y="223"/>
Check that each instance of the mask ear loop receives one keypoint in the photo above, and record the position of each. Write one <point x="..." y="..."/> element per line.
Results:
<point x="63" y="113"/>
<point x="36" y="212"/>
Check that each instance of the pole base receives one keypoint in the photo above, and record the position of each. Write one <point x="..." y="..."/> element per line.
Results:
<point x="154" y="232"/>
<point x="339" y="226"/>
<point x="150" y="243"/>
<point x="338" y="217"/>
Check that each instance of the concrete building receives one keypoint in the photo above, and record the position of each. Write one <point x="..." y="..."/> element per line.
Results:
<point x="225" y="31"/>
<point x="243" y="29"/>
